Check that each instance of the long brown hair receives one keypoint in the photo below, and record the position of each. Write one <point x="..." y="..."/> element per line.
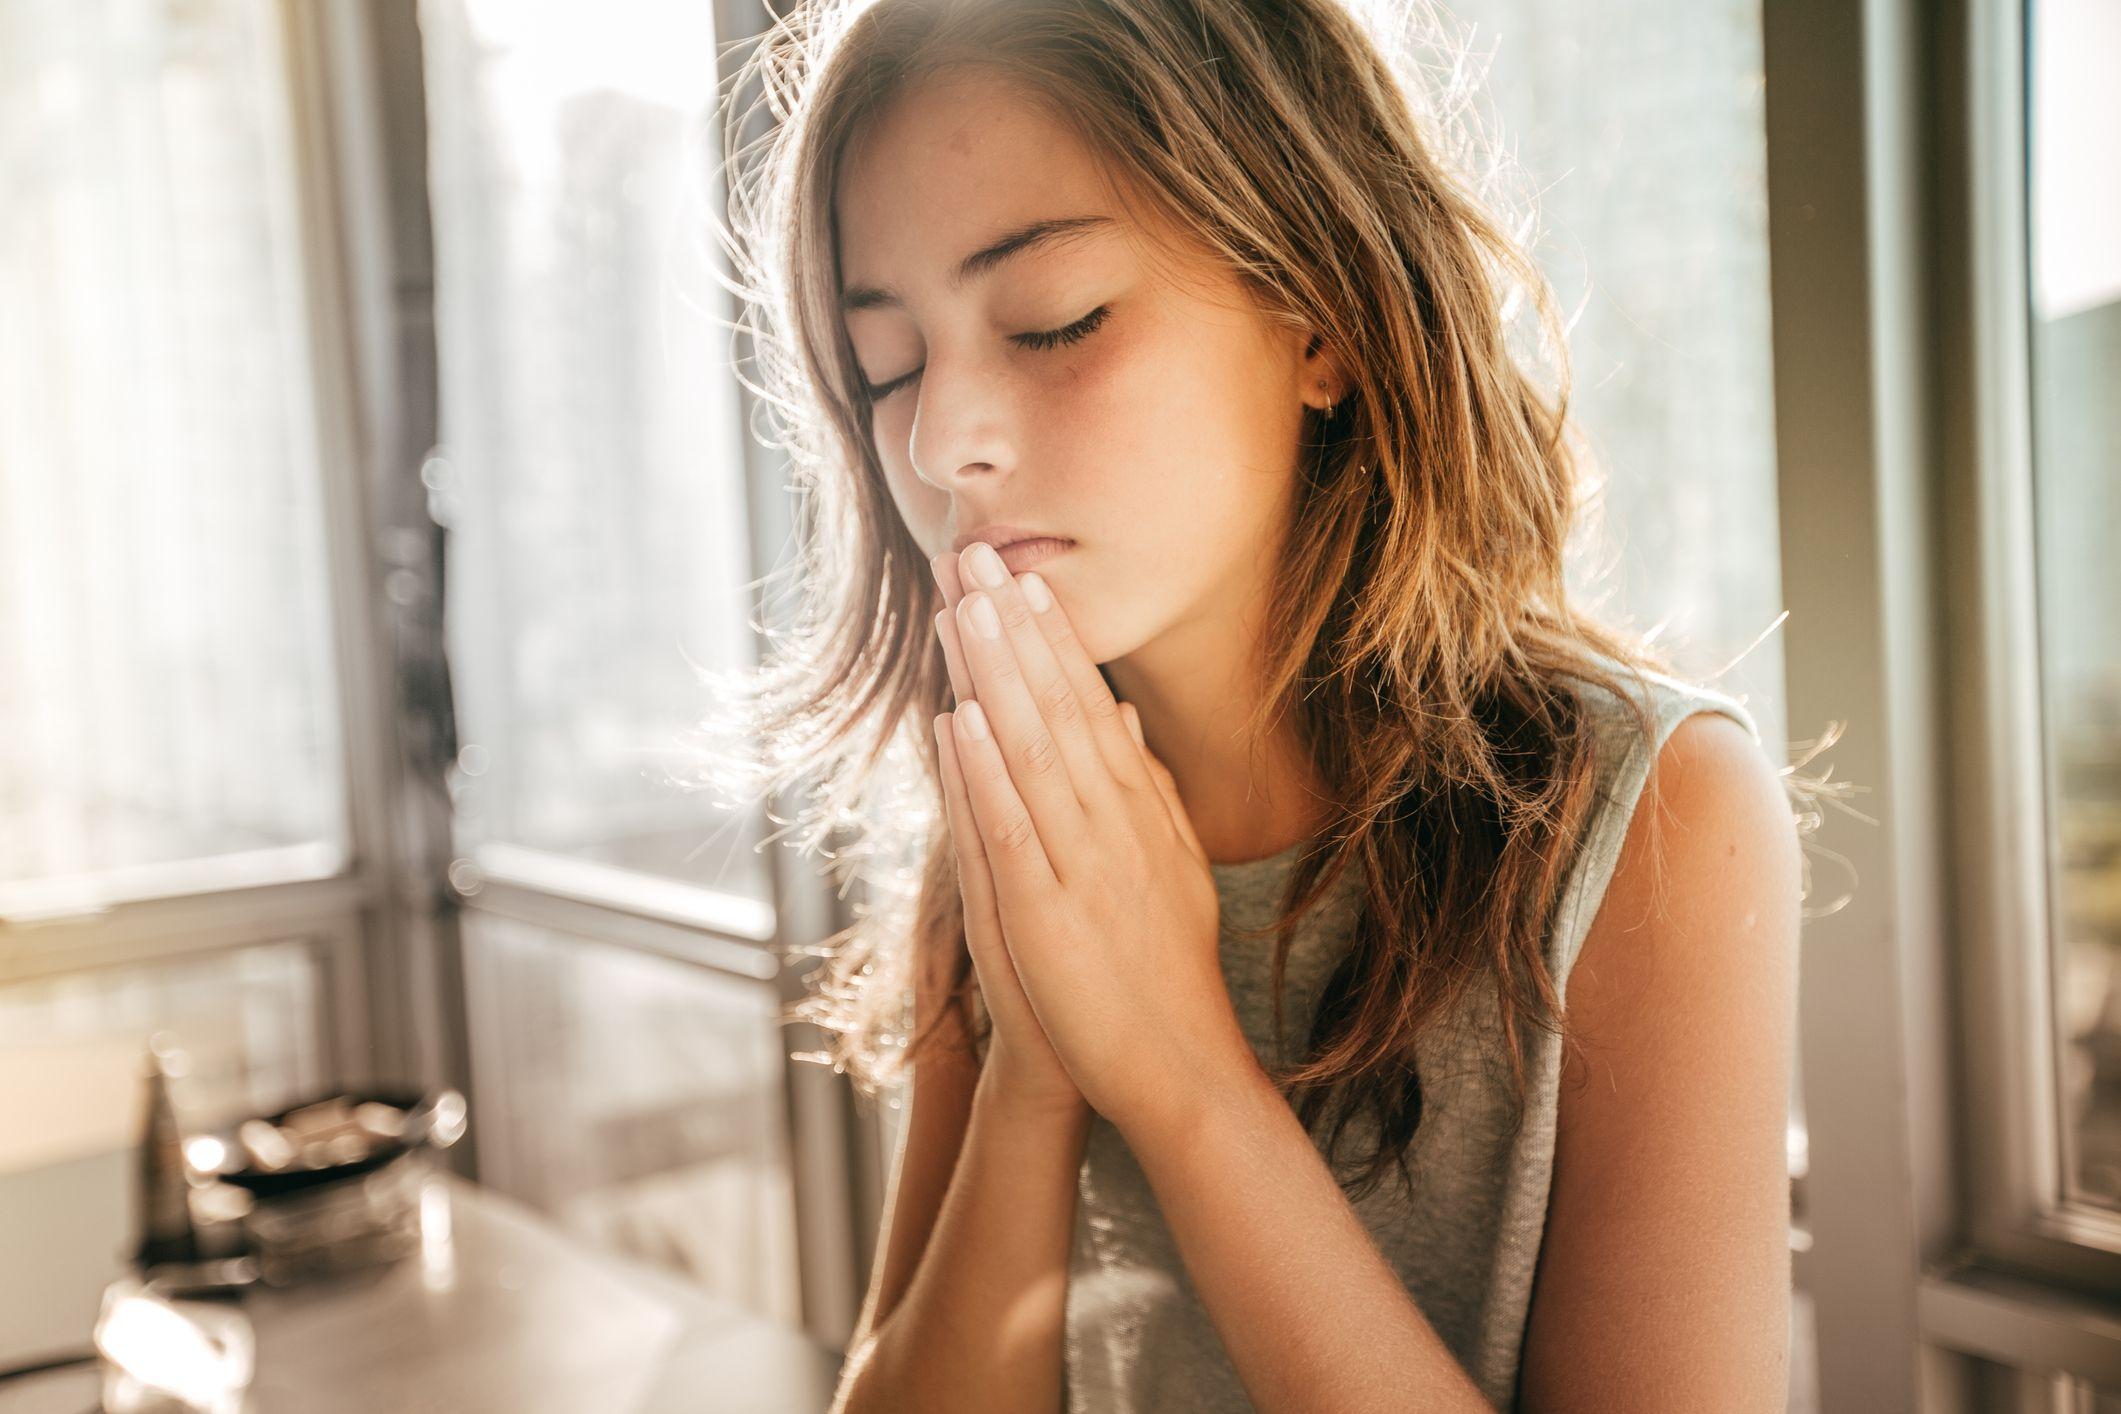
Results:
<point x="1429" y="644"/>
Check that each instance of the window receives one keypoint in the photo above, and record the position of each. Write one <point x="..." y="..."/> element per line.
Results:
<point x="73" y="1048"/>
<point x="638" y="1099"/>
<point x="2074" y="230"/>
<point x="1638" y="132"/>
<point x="590" y="459"/>
<point x="168" y="718"/>
<point x="629" y="1066"/>
<point x="2030" y="216"/>
<point x="175" y="834"/>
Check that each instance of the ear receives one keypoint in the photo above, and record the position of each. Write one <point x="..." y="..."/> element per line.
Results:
<point x="1322" y="379"/>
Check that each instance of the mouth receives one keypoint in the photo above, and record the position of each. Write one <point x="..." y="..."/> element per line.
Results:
<point x="1020" y="555"/>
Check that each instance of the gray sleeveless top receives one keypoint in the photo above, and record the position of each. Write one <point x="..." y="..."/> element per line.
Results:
<point x="1138" y="1339"/>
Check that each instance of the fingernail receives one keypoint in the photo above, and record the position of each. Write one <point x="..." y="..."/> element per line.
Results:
<point x="1134" y="725"/>
<point x="975" y="721"/>
<point x="1036" y="594"/>
<point x="985" y="621"/>
<point x="987" y="566"/>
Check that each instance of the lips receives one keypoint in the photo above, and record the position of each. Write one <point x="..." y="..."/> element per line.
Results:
<point x="999" y="535"/>
<point x="1020" y="555"/>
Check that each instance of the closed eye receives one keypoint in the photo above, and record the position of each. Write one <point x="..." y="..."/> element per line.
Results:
<point x="1081" y="329"/>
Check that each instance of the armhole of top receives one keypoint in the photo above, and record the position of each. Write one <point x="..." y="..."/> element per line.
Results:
<point x="1674" y="701"/>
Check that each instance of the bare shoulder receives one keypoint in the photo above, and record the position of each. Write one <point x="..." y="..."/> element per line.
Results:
<point x="1663" y="1279"/>
<point x="1698" y="926"/>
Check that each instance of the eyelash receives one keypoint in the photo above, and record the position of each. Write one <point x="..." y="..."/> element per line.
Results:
<point x="1081" y="329"/>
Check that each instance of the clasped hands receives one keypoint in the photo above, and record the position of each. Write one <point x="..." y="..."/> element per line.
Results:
<point x="1090" y="910"/>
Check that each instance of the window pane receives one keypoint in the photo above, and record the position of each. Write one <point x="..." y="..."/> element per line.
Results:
<point x="168" y="693"/>
<point x="1639" y="129"/>
<point x="591" y="463"/>
<point x="639" y="1100"/>
<point x="2075" y="230"/>
<point x="72" y="1048"/>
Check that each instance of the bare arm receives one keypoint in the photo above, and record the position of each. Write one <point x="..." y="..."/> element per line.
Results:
<point x="979" y="1326"/>
<point x="932" y="1134"/>
<point x="1664" y="1281"/>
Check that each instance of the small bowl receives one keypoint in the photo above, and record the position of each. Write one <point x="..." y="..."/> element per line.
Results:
<point x="434" y="1119"/>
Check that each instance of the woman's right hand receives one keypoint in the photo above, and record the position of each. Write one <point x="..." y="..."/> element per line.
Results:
<point x="1021" y="1062"/>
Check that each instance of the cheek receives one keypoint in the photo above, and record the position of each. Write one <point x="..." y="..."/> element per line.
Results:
<point x="1173" y="391"/>
<point x="1135" y="390"/>
<point x="924" y="508"/>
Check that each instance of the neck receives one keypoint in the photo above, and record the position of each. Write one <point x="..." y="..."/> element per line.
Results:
<point x="1194" y="697"/>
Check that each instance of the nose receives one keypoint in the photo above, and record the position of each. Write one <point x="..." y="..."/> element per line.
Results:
<point x="957" y="439"/>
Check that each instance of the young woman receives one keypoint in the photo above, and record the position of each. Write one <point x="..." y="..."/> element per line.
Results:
<point x="1233" y="835"/>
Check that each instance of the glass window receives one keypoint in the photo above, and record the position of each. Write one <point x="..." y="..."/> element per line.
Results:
<point x="2074" y="123"/>
<point x="591" y="462"/>
<point x="73" y="1048"/>
<point x="1639" y="130"/>
<point x="168" y="697"/>
<point x="639" y="1100"/>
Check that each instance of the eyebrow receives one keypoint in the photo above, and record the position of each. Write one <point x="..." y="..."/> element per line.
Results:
<point x="1032" y="237"/>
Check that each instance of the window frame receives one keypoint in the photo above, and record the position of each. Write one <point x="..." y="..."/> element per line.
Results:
<point x="2006" y="894"/>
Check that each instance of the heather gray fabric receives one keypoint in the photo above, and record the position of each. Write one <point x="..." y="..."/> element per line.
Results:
<point x="1139" y="1341"/>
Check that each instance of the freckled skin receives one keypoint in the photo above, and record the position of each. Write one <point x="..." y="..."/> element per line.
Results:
<point x="1165" y="442"/>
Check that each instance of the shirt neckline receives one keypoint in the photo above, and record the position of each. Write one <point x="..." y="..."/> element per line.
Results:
<point x="1245" y="868"/>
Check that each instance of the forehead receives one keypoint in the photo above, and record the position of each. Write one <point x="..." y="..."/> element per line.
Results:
<point x="949" y="166"/>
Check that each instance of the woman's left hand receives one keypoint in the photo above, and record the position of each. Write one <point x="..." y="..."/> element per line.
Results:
<point x="1104" y="891"/>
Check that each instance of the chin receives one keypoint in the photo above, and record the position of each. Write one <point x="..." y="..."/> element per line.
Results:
<point x="1109" y="637"/>
<point x="1085" y="620"/>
